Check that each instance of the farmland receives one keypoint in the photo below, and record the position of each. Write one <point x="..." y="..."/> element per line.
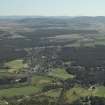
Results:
<point x="52" y="60"/>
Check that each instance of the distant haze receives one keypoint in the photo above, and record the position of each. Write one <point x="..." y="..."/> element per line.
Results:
<point x="52" y="7"/>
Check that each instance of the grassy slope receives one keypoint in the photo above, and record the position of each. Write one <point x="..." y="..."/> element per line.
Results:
<point x="19" y="91"/>
<point x="77" y="92"/>
<point x="60" y="73"/>
<point x="38" y="82"/>
<point x="15" y="65"/>
<point x="53" y="93"/>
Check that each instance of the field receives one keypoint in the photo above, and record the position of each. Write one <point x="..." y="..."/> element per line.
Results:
<point x="77" y="92"/>
<point x="52" y="58"/>
<point x="15" y="65"/>
<point x="38" y="81"/>
<point x="60" y="73"/>
<point x="25" y="90"/>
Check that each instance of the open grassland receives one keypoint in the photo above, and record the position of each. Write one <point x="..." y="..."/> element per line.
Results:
<point x="27" y="90"/>
<point x="53" y="93"/>
<point x="77" y="92"/>
<point x="38" y="82"/>
<point x="60" y="73"/>
<point x="41" y="80"/>
<point x="5" y="74"/>
<point x="15" y="65"/>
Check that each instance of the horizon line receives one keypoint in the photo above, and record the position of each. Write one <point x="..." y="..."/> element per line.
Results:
<point x="51" y="16"/>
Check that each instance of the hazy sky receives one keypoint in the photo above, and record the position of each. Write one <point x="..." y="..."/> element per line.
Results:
<point x="53" y="7"/>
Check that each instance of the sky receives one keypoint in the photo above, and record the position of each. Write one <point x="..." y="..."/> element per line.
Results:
<point x="52" y="7"/>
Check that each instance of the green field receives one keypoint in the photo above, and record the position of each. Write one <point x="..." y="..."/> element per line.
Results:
<point x="60" y="73"/>
<point x="77" y="92"/>
<point x="53" y="93"/>
<point x="39" y="81"/>
<point x="27" y="90"/>
<point x="15" y="65"/>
